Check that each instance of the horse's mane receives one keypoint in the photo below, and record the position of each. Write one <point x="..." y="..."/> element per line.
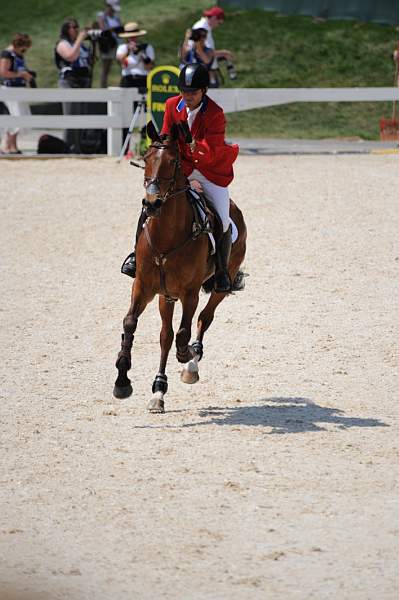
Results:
<point x="164" y="141"/>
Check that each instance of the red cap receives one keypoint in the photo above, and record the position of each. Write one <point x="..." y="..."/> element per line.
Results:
<point x="215" y="11"/>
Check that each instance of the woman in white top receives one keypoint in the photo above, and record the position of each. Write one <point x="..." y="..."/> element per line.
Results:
<point x="136" y="58"/>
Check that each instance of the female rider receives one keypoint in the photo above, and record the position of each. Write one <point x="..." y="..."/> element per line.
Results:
<point x="207" y="161"/>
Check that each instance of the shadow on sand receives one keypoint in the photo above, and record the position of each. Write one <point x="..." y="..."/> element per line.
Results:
<point x="278" y="415"/>
<point x="287" y="415"/>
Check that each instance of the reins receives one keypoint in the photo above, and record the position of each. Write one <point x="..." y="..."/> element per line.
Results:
<point x="160" y="258"/>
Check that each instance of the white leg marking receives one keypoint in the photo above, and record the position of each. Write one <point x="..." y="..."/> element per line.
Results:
<point x="156" y="404"/>
<point x="190" y="372"/>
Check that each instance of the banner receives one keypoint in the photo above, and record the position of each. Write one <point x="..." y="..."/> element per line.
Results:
<point x="161" y="84"/>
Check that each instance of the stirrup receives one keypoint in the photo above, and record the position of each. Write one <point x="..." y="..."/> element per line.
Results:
<point x="129" y="265"/>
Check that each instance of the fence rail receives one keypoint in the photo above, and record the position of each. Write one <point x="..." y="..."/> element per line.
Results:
<point x="119" y="104"/>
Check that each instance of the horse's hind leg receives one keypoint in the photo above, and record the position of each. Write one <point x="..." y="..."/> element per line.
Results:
<point x="160" y="385"/>
<point x="123" y="387"/>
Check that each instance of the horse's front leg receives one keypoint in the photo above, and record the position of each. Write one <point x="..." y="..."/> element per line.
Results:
<point x="160" y="385"/>
<point x="123" y="387"/>
<point x="183" y="350"/>
<point x="190" y="373"/>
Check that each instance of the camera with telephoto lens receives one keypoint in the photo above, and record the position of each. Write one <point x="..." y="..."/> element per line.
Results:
<point x="94" y="34"/>
<point x="231" y="70"/>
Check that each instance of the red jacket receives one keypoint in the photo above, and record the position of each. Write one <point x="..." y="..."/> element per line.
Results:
<point x="212" y="156"/>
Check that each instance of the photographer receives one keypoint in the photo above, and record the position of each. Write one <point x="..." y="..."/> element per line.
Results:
<point x="74" y="62"/>
<point x="136" y="59"/>
<point x="212" y="18"/>
<point x="195" y="50"/>
<point x="14" y="73"/>
<point x="110" y="25"/>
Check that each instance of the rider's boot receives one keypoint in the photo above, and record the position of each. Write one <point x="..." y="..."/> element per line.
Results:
<point x="222" y="277"/>
<point x="129" y="264"/>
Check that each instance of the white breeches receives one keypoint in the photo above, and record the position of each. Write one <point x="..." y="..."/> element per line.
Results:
<point x="218" y="195"/>
<point x="16" y="109"/>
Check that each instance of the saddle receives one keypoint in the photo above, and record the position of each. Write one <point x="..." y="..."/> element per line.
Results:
<point x="206" y="219"/>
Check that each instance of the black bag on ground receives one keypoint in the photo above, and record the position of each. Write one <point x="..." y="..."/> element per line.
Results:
<point x="49" y="144"/>
<point x="93" y="141"/>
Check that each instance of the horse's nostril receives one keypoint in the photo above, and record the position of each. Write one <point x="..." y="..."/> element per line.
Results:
<point x="153" y="207"/>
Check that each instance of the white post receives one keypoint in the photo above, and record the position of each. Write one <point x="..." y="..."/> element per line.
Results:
<point x="114" y="136"/>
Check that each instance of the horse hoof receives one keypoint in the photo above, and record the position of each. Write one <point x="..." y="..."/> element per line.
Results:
<point x="190" y="372"/>
<point x="156" y="404"/>
<point x="123" y="392"/>
<point x="187" y="376"/>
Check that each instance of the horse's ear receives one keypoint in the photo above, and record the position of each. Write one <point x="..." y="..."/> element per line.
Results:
<point x="152" y="132"/>
<point x="182" y="130"/>
<point x="174" y="131"/>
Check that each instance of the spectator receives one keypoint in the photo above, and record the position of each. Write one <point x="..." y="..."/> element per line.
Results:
<point x="116" y="5"/>
<point x="195" y="50"/>
<point x="14" y="73"/>
<point x="110" y="23"/>
<point x="136" y="59"/>
<point x="74" y="62"/>
<point x="212" y="18"/>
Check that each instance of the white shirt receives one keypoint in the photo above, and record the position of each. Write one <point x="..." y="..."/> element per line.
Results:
<point x="191" y="114"/>
<point x="135" y="64"/>
<point x="203" y="24"/>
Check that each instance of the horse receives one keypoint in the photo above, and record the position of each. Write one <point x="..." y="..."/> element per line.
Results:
<point x="172" y="263"/>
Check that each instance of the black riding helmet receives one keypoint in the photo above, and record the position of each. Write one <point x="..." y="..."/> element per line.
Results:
<point x="193" y="77"/>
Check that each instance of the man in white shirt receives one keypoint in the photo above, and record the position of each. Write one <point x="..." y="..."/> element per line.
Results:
<point x="212" y="18"/>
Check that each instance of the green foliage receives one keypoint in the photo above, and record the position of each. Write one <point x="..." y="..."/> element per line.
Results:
<point x="270" y="50"/>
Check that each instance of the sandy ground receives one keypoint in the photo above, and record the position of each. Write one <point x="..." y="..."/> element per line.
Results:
<point x="276" y="476"/>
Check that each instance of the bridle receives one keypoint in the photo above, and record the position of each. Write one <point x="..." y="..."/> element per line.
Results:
<point x="154" y="207"/>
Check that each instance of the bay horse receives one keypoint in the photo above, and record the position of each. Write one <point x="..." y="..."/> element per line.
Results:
<point x="173" y="263"/>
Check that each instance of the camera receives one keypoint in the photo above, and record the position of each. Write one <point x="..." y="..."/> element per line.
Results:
<point x="231" y="70"/>
<point x="196" y="35"/>
<point x="140" y="48"/>
<point x="32" y="82"/>
<point x="94" y="34"/>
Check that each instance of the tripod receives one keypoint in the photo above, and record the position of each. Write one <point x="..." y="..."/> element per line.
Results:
<point x="139" y="110"/>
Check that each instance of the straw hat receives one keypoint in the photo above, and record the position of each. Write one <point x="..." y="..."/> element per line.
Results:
<point x="131" y="30"/>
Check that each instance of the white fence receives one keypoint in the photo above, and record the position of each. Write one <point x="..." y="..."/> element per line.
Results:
<point x="120" y="100"/>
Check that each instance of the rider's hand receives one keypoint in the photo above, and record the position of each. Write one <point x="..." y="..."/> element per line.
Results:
<point x="195" y="184"/>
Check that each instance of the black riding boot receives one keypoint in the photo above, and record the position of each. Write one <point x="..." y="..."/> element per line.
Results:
<point x="129" y="264"/>
<point x="222" y="277"/>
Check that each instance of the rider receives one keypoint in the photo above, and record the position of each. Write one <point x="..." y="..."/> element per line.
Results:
<point x="207" y="161"/>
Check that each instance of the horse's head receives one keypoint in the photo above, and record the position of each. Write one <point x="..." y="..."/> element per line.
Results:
<point x="162" y="169"/>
